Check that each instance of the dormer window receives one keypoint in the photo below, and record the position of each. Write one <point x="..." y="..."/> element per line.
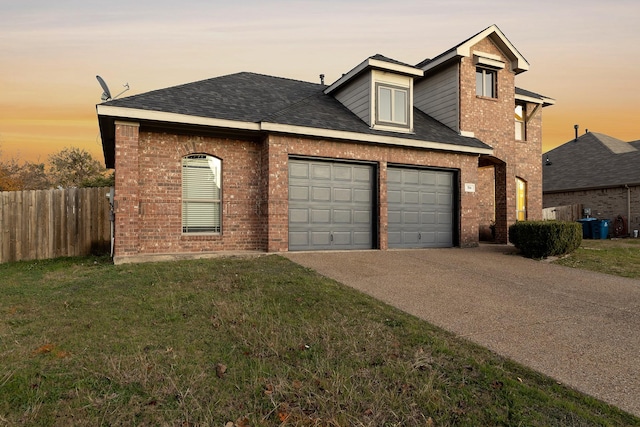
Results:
<point x="392" y="105"/>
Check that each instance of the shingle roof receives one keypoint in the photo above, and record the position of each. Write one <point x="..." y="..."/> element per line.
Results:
<point x="594" y="160"/>
<point x="250" y="97"/>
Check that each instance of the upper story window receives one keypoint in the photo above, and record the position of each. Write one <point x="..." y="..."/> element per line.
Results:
<point x="392" y="105"/>
<point x="486" y="82"/>
<point x="521" y="126"/>
<point x="201" y="194"/>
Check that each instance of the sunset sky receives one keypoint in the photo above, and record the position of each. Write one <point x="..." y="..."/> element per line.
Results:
<point x="585" y="54"/>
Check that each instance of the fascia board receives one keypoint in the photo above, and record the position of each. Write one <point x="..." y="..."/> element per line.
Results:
<point x="439" y="61"/>
<point x="377" y="64"/>
<point x="542" y="100"/>
<point x="401" y="69"/>
<point x="161" y="116"/>
<point x="346" y="77"/>
<point x="137" y="114"/>
<point x="376" y="139"/>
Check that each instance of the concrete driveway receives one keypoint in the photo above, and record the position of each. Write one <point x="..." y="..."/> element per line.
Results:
<point x="579" y="327"/>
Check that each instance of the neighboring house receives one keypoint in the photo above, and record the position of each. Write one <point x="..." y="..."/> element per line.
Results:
<point x="599" y="172"/>
<point x="389" y="156"/>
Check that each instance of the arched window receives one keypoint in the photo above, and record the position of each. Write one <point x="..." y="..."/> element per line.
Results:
<point x="521" y="199"/>
<point x="201" y="194"/>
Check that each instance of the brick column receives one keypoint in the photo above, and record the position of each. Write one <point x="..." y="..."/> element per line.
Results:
<point x="127" y="197"/>
<point x="276" y="169"/>
<point x="502" y="203"/>
<point x="383" y="207"/>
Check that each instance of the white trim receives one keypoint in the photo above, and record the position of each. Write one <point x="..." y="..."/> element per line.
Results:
<point x="518" y="63"/>
<point x="130" y="113"/>
<point x="467" y="134"/>
<point x="544" y="100"/>
<point x="160" y="116"/>
<point x="378" y="139"/>
<point x="488" y="62"/>
<point x="374" y="63"/>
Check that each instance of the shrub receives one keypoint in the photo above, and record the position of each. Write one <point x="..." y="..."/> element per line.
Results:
<point x="540" y="239"/>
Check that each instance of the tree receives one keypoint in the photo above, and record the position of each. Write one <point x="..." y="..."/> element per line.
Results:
<point x="75" y="167"/>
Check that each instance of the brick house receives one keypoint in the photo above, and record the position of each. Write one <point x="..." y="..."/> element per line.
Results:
<point x="600" y="173"/>
<point x="390" y="155"/>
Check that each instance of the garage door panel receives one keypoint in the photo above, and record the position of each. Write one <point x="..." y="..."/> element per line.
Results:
<point x="299" y="170"/>
<point x="342" y="195"/>
<point x="411" y="197"/>
<point x="362" y="217"/>
<point x="427" y="218"/>
<point x="320" y="216"/>
<point x="342" y="216"/>
<point x="411" y="217"/>
<point x="321" y="194"/>
<point x="428" y="178"/>
<point x="339" y="205"/>
<point x="420" y="208"/>
<point x="428" y="197"/>
<point x="320" y="238"/>
<point x="320" y="172"/>
<point x="394" y="176"/>
<point x="411" y="177"/>
<point x="361" y="195"/>
<point x="299" y="193"/>
<point x="299" y="216"/>
<point x="342" y="173"/>
<point x="362" y="174"/>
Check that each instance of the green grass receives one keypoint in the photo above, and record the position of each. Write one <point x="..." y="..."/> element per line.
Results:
<point x="620" y="257"/>
<point x="250" y="342"/>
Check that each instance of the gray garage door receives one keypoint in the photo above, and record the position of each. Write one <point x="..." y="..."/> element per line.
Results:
<point x="420" y="208"/>
<point x="330" y="205"/>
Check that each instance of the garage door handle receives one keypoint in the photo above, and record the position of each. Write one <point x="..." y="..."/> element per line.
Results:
<point x="419" y="236"/>
<point x="331" y="237"/>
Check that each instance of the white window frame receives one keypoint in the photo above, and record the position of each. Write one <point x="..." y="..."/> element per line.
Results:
<point x="482" y="89"/>
<point x="395" y="110"/>
<point x="201" y="194"/>
<point x="520" y="124"/>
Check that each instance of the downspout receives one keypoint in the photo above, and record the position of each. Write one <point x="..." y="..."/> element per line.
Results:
<point x="628" y="208"/>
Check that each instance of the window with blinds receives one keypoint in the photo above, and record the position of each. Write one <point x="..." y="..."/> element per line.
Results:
<point x="201" y="194"/>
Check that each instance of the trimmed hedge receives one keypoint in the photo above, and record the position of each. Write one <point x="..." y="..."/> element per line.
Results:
<point x="540" y="239"/>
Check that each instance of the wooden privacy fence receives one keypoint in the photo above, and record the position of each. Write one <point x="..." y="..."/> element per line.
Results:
<point x="41" y="224"/>
<point x="563" y="213"/>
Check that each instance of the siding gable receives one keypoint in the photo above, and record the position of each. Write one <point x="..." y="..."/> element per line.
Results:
<point x="438" y="96"/>
<point x="357" y="97"/>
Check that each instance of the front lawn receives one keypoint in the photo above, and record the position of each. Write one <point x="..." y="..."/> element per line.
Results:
<point x="247" y="342"/>
<point x="620" y="257"/>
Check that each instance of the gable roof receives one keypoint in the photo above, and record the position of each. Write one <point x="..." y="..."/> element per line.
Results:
<point x="594" y="160"/>
<point x="379" y="62"/>
<point x="259" y="103"/>
<point x="518" y="62"/>
<point x="527" y="95"/>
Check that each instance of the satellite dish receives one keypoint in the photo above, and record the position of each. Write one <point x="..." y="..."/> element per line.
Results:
<point x="106" y="93"/>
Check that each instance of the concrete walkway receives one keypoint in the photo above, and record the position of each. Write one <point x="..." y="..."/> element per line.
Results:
<point x="579" y="327"/>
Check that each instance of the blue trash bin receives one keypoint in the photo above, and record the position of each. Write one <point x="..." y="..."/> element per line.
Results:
<point x="604" y="230"/>
<point x="587" y="229"/>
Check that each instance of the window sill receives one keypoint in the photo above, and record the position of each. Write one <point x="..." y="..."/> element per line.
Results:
<point x="487" y="98"/>
<point x="201" y="236"/>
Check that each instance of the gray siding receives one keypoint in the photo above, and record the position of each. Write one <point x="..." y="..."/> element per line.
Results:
<point x="357" y="98"/>
<point x="438" y="96"/>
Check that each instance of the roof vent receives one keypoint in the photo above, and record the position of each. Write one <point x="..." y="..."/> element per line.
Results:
<point x="322" y="79"/>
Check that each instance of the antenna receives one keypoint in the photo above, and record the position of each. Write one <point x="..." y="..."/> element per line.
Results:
<point x="106" y="93"/>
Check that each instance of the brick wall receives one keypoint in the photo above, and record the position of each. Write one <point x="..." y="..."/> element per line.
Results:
<point x="149" y="194"/>
<point x="284" y="146"/>
<point x="254" y="189"/>
<point x="605" y="203"/>
<point x="492" y="121"/>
